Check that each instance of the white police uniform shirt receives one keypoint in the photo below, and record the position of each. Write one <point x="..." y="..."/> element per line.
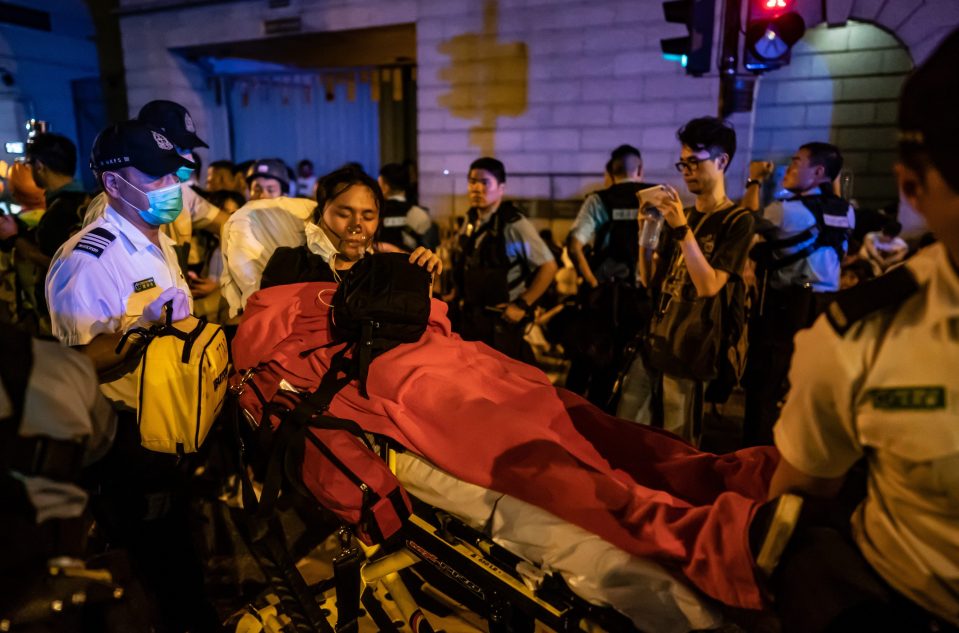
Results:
<point x="819" y="271"/>
<point x="887" y="389"/>
<point x="249" y="238"/>
<point x="100" y="281"/>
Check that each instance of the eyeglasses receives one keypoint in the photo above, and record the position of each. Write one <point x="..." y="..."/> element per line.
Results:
<point x="691" y="163"/>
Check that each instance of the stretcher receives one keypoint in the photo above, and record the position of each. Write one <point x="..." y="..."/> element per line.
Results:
<point x="436" y="561"/>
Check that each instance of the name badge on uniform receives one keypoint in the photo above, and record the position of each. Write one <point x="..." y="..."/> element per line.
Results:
<point x="625" y="214"/>
<point x="394" y="222"/>
<point x="144" y="284"/>
<point x="836" y="221"/>
<point x="900" y="398"/>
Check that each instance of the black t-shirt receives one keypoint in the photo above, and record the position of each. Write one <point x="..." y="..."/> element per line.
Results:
<point x="60" y="221"/>
<point x="723" y="237"/>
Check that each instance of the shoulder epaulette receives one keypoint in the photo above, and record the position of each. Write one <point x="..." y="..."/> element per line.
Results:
<point x="855" y="304"/>
<point x="95" y="241"/>
<point x="510" y="212"/>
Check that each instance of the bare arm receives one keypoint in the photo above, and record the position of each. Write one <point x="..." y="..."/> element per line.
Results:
<point x="582" y="265"/>
<point x="542" y="280"/>
<point x="759" y="170"/>
<point x="788" y="479"/>
<point x="102" y="351"/>
<point x="707" y="280"/>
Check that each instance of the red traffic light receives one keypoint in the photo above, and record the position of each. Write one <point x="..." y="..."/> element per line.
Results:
<point x="769" y="9"/>
<point x="772" y="28"/>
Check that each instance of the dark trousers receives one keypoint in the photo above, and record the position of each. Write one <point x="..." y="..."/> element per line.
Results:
<point x="781" y="314"/>
<point x="141" y="504"/>
<point x="824" y="585"/>
<point x="487" y="326"/>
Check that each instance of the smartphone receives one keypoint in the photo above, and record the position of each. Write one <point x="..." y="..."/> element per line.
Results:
<point x="649" y="195"/>
<point x="14" y="147"/>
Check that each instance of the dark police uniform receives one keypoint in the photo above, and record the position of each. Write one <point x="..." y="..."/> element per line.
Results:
<point x="609" y="316"/>
<point x="798" y="268"/>
<point x="500" y="254"/>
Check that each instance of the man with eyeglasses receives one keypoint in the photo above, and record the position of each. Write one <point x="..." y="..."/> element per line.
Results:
<point x="696" y="277"/>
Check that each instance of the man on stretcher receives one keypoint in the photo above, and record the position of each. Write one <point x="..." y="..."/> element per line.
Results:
<point x="630" y="516"/>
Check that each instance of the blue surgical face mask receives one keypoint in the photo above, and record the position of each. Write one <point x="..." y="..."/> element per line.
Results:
<point x="165" y="203"/>
<point x="184" y="173"/>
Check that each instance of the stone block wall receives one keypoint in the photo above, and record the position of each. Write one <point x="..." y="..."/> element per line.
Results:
<point x="841" y="86"/>
<point x="550" y="86"/>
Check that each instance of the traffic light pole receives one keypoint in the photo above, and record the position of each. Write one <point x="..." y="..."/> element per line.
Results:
<point x="736" y="89"/>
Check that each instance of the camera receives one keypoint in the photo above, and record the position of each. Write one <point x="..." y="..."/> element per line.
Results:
<point x="36" y="126"/>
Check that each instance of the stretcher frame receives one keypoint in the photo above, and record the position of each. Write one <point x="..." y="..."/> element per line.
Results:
<point x="441" y="559"/>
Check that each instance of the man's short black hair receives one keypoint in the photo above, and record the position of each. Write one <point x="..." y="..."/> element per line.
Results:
<point x="305" y="161"/>
<point x="330" y="186"/>
<point x="825" y="155"/>
<point x="491" y="165"/>
<point x="617" y="160"/>
<point x="57" y="152"/>
<point x="892" y="228"/>
<point x="396" y="176"/>
<point x="219" y="198"/>
<point x="625" y="150"/>
<point x="711" y="134"/>
<point x="928" y="125"/>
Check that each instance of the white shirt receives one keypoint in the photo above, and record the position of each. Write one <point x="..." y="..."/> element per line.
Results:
<point x="821" y="269"/>
<point x="63" y="403"/>
<point x="249" y="238"/>
<point x="98" y="284"/>
<point x="888" y="389"/>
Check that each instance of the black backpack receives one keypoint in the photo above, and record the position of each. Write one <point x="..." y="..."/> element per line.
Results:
<point x="381" y="302"/>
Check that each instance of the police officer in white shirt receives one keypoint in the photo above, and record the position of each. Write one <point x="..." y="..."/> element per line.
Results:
<point x="175" y="122"/>
<point x="877" y="378"/>
<point x="118" y="273"/>
<point x="798" y="265"/>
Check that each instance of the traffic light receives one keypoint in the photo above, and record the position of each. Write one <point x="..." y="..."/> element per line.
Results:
<point x="772" y="27"/>
<point x="693" y="50"/>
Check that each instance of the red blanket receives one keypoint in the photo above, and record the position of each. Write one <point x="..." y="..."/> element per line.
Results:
<point x="498" y="423"/>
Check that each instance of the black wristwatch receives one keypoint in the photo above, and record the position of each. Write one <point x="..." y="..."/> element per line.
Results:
<point x="520" y="302"/>
<point x="678" y="233"/>
<point x="752" y="181"/>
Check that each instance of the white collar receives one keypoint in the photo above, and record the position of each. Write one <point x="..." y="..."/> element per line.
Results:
<point x="133" y="234"/>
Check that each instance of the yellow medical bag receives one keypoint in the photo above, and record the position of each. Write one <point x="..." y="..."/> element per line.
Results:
<point x="182" y="385"/>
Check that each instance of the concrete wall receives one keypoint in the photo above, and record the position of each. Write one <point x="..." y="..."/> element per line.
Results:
<point x="546" y="85"/>
<point x="43" y="64"/>
<point x="842" y="86"/>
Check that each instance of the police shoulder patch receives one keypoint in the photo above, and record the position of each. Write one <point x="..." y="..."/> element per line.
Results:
<point x="855" y="304"/>
<point x="95" y="241"/>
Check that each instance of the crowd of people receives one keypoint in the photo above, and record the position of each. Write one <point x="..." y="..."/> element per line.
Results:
<point x="673" y="307"/>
